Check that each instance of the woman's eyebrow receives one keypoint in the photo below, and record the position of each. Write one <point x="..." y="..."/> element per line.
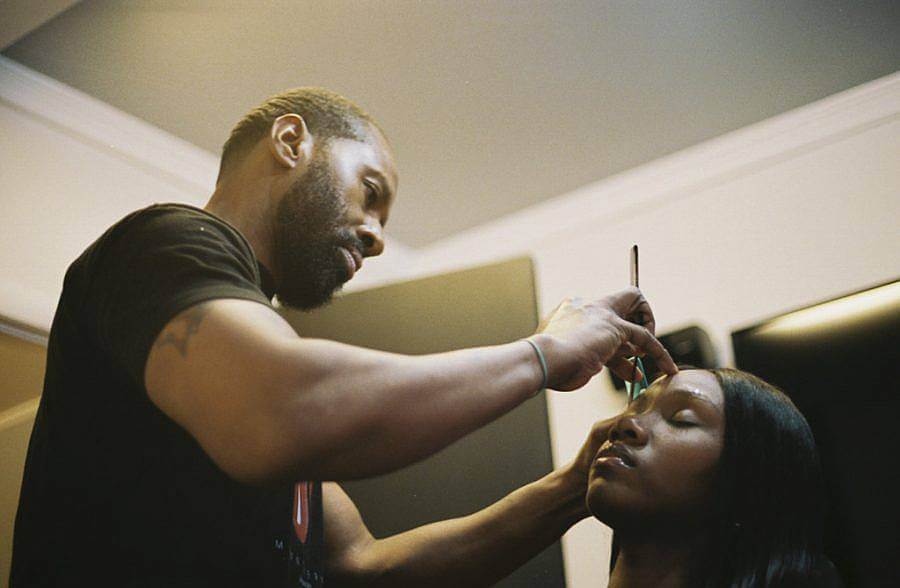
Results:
<point x="639" y="403"/>
<point x="693" y="395"/>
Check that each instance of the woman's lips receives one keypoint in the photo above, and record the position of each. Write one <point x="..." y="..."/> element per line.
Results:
<point x="615" y="455"/>
<point x="611" y="460"/>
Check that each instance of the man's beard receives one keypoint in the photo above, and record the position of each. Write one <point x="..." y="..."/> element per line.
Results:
<point x="308" y="233"/>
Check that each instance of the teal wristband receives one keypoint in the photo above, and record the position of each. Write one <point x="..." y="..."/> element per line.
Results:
<point x="543" y="363"/>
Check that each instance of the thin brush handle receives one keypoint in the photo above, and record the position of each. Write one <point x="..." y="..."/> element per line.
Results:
<point x="635" y="278"/>
<point x="634" y="387"/>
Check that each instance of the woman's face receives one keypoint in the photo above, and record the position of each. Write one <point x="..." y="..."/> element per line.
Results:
<point x="659" y="463"/>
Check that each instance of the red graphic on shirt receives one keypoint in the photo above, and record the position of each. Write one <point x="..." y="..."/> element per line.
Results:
<point x="301" y="510"/>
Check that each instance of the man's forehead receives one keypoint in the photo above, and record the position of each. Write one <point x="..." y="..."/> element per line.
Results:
<point x="371" y="152"/>
<point x="384" y="153"/>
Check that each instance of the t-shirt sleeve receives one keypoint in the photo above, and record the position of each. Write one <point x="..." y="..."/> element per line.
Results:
<point x="157" y="264"/>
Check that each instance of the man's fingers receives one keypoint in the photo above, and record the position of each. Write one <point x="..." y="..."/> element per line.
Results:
<point x="628" y="350"/>
<point x="644" y="340"/>
<point x="631" y="305"/>
<point x="624" y="369"/>
<point x="644" y="317"/>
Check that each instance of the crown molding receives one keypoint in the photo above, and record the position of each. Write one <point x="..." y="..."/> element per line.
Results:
<point x="108" y="129"/>
<point x="716" y="161"/>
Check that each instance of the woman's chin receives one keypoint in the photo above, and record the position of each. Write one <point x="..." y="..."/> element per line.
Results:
<point x="603" y="501"/>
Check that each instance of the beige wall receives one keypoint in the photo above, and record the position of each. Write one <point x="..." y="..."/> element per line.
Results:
<point x="21" y="379"/>
<point x="22" y="371"/>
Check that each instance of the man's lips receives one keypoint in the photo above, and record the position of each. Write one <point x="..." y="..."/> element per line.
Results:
<point x="357" y="257"/>
<point x="615" y="454"/>
<point x="353" y="260"/>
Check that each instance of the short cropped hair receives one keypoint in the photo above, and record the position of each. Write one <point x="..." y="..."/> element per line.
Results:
<point x="327" y="115"/>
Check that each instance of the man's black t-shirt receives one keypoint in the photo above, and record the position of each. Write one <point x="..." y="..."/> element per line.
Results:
<point x="115" y="492"/>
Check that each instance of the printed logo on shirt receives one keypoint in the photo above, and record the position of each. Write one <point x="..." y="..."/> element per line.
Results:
<point x="302" y="492"/>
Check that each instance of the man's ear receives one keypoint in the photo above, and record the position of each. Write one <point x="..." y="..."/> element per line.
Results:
<point x="290" y="141"/>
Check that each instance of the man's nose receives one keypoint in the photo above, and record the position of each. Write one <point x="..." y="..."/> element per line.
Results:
<point x="370" y="233"/>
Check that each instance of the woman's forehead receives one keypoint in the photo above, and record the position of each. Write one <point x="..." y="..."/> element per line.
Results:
<point x="701" y="384"/>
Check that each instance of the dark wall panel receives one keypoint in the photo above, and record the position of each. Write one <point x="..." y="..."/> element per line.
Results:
<point x="839" y="363"/>
<point x="481" y="306"/>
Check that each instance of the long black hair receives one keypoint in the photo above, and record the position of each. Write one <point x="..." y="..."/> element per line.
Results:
<point x="770" y="503"/>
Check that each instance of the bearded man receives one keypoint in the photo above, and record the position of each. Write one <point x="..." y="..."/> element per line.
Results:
<point x="187" y="436"/>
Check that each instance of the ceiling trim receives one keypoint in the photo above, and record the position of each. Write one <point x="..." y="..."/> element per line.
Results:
<point x="109" y="129"/>
<point x="680" y="174"/>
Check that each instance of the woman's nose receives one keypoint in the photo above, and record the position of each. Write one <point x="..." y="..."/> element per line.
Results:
<point x="371" y="236"/>
<point x="628" y="430"/>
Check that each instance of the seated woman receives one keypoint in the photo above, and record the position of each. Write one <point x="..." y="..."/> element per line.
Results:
<point x="711" y="478"/>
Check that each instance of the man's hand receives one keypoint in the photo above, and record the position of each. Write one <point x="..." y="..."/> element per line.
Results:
<point x="580" y="337"/>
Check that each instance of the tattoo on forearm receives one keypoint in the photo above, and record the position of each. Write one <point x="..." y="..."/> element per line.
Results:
<point x="179" y="333"/>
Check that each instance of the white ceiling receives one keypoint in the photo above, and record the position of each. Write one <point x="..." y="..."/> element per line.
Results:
<point x="492" y="106"/>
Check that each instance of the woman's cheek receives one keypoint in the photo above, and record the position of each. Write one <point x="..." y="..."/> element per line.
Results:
<point x="685" y="468"/>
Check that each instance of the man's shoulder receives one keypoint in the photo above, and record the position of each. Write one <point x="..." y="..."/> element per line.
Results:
<point x="177" y="215"/>
<point x="162" y="224"/>
<point x="155" y="233"/>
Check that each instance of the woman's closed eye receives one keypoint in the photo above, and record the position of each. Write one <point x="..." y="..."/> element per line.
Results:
<point x="684" y="418"/>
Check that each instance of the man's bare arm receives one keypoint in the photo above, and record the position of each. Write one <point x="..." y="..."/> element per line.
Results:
<point x="268" y="406"/>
